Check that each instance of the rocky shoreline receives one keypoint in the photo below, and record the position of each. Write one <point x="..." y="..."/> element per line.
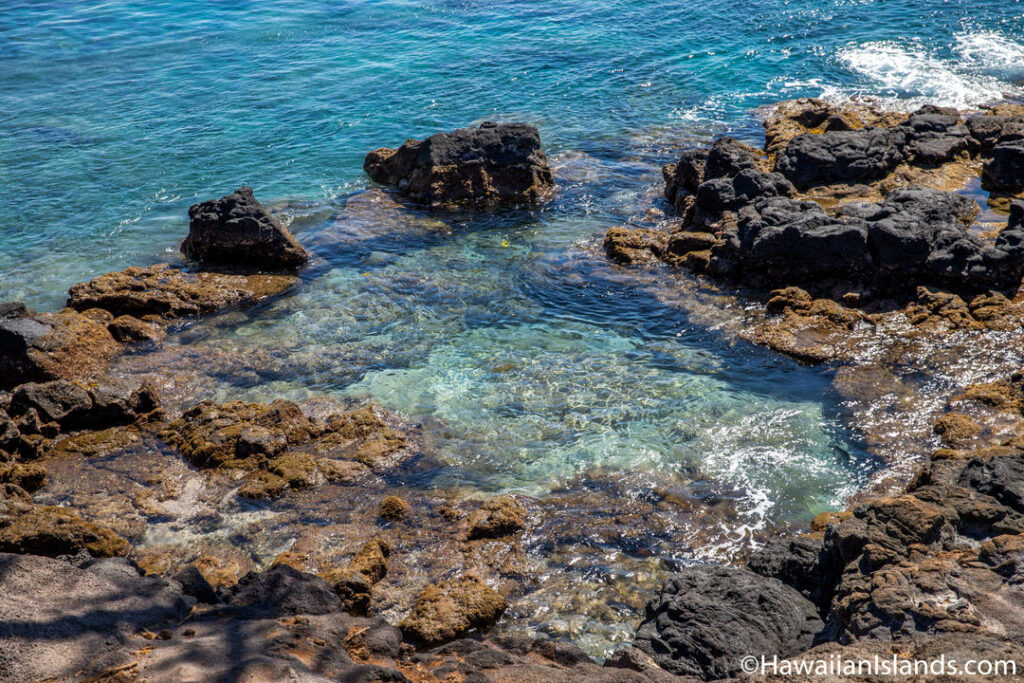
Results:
<point x="850" y="190"/>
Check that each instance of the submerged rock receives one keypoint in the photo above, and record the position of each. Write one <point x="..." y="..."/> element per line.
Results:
<point x="493" y="162"/>
<point x="449" y="610"/>
<point x="237" y="230"/>
<point x="500" y="516"/>
<point x="706" y="619"/>
<point x="282" y="447"/>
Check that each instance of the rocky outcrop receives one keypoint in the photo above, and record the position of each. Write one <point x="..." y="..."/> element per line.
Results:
<point x="494" y="162"/>
<point x="162" y="293"/>
<point x="706" y="619"/>
<point x="281" y="447"/>
<point x="36" y="347"/>
<point x="236" y="230"/>
<point x="55" y="531"/>
<point x="451" y="609"/>
<point x="1005" y="170"/>
<point x="767" y="231"/>
<point x="497" y="517"/>
<point x="354" y="583"/>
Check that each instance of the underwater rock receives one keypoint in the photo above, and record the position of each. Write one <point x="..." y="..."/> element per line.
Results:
<point x="493" y="162"/>
<point x="282" y="447"/>
<point x="237" y="230"/>
<point x="163" y="293"/>
<point x="449" y="610"/>
<point x="706" y="619"/>
<point x="59" y="621"/>
<point x="53" y="531"/>
<point x="35" y="347"/>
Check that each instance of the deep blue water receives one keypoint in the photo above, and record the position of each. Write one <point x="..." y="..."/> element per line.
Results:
<point x="505" y="329"/>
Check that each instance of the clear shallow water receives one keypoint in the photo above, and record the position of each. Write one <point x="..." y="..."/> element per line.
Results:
<point x="528" y="362"/>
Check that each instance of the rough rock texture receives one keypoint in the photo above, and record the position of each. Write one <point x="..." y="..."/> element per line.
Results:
<point x="451" y="609"/>
<point x="237" y="230"/>
<point x="164" y="293"/>
<point x="354" y="584"/>
<point x="282" y="447"/>
<point x="494" y="162"/>
<point x="53" y="531"/>
<point x="57" y="619"/>
<point x="36" y="347"/>
<point x="766" y="232"/>
<point x="707" y="618"/>
<point x="74" y="406"/>
<point x="1005" y="170"/>
<point x="282" y="590"/>
<point x="497" y="517"/>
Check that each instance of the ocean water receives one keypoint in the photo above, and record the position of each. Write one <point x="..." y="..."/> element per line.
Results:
<point x="529" y="359"/>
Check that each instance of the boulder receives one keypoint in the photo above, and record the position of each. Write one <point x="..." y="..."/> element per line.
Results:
<point x="493" y="162"/>
<point x="283" y="591"/>
<point x="934" y="136"/>
<point x="393" y="509"/>
<point x="73" y="406"/>
<point x="634" y="245"/>
<point x="497" y="517"/>
<point x="854" y="156"/>
<point x="449" y="610"/>
<point x="706" y="619"/>
<point x="1004" y="171"/>
<point x="36" y="347"/>
<point x="236" y="230"/>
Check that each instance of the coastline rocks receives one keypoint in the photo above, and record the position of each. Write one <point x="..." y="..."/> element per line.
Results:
<point x="162" y="293"/>
<point x="449" y="610"/>
<point x="236" y="230"/>
<point x="54" y="531"/>
<point x="281" y="447"/>
<point x="283" y="591"/>
<point x="493" y="162"/>
<point x="498" y="517"/>
<point x="1005" y="170"/>
<point x="73" y="406"/>
<point x="707" y="618"/>
<point x="354" y="584"/>
<point x="36" y="347"/>
<point x="59" y="621"/>
<point x="635" y="245"/>
<point x="840" y="156"/>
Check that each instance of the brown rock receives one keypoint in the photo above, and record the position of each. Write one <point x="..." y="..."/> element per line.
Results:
<point x="393" y="509"/>
<point x="500" y="516"/>
<point x="53" y="531"/>
<point x="36" y="347"/>
<point x="170" y="293"/>
<point x="127" y="329"/>
<point x="30" y="477"/>
<point x="634" y="245"/>
<point x="956" y="428"/>
<point x="451" y="609"/>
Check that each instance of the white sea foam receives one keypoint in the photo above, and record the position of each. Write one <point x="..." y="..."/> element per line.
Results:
<point x="991" y="53"/>
<point x="905" y="75"/>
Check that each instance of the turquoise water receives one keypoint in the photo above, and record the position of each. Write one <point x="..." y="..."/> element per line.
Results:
<point x="529" y="358"/>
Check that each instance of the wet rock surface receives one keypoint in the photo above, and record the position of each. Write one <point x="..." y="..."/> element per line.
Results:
<point x="708" y="618"/>
<point x="237" y="230"/>
<point x="451" y="609"/>
<point x="493" y="162"/>
<point x="163" y="293"/>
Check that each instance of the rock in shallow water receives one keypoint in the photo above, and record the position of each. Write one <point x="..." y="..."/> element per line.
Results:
<point x="494" y="162"/>
<point x="236" y="230"/>
<point x="706" y="619"/>
<point x="451" y="609"/>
